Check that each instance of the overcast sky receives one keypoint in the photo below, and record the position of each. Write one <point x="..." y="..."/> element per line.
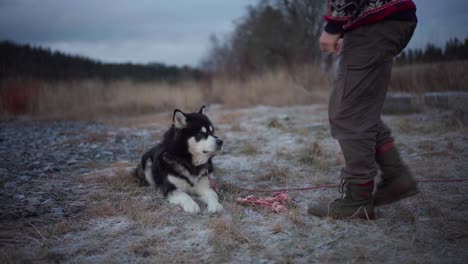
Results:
<point x="168" y="31"/>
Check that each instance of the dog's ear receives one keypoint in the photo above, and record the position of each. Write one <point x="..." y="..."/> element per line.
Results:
<point x="202" y="110"/>
<point x="179" y="119"/>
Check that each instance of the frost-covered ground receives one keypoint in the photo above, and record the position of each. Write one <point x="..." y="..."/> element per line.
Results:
<point x="66" y="195"/>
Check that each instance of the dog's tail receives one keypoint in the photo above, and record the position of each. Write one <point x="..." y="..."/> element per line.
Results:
<point x="139" y="174"/>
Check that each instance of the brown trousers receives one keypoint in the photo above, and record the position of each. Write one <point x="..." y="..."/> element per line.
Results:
<point x="358" y="94"/>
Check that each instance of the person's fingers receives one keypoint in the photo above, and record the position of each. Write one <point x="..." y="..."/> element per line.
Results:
<point x="339" y="46"/>
<point x="328" y="42"/>
<point x="321" y="46"/>
<point x="327" y="46"/>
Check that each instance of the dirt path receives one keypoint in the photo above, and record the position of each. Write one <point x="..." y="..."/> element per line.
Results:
<point x="66" y="196"/>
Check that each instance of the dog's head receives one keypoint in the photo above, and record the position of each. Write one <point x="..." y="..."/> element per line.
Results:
<point x="197" y="131"/>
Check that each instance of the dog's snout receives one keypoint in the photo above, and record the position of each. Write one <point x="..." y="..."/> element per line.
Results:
<point x="219" y="142"/>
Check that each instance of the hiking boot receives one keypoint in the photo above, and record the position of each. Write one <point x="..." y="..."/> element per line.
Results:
<point x="397" y="181"/>
<point x="357" y="202"/>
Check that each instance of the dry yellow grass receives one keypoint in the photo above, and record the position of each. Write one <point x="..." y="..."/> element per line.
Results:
<point x="277" y="228"/>
<point x="249" y="148"/>
<point x="315" y="156"/>
<point x="225" y="234"/>
<point x="89" y="99"/>
<point x="117" y="177"/>
<point x="281" y="87"/>
<point x="277" y="88"/>
<point x="295" y="217"/>
<point x="231" y="118"/>
<point x="273" y="173"/>
<point x="419" y="78"/>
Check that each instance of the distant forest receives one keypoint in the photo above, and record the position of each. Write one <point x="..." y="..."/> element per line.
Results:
<point x="25" y="61"/>
<point x="454" y="50"/>
<point x="254" y="47"/>
<point x="278" y="33"/>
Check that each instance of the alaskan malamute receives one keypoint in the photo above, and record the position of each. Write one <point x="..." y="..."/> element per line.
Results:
<point x="181" y="163"/>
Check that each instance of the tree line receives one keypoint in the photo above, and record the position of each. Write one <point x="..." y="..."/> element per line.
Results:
<point x="25" y="61"/>
<point x="273" y="33"/>
<point x="454" y="49"/>
<point x="285" y="33"/>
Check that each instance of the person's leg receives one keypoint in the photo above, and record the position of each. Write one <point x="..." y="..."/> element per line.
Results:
<point x="397" y="180"/>
<point x="384" y="137"/>
<point x="354" y="111"/>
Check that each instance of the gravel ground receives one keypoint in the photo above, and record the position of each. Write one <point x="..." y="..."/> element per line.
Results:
<point x="66" y="195"/>
<point x="33" y="154"/>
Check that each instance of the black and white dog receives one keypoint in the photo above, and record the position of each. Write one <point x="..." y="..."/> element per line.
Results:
<point x="181" y="163"/>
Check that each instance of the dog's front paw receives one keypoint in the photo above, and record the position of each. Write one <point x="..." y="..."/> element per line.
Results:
<point x="190" y="206"/>
<point x="215" y="207"/>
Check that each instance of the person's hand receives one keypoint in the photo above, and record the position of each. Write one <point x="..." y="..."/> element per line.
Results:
<point x="330" y="42"/>
<point x="339" y="46"/>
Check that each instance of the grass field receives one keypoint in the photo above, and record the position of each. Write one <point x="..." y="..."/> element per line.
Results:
<point x="276" y="134"/>
<point x="265" y="147"/>
<point x="303" y="85"/>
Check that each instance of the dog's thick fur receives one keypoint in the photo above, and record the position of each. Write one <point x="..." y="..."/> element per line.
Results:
<point x="181" y="163"/>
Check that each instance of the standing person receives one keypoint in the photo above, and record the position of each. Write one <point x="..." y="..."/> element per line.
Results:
<point x="366" y="34"/>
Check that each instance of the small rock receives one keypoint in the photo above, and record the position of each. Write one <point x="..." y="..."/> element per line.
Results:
<point x="25" y="178"/>
<point x="47" y="188"/>
<point x="72" y="161"/>
<point x="33" y="201"/>
<point x="399" y="104"/>
<point x="10" y="185"/>
<point x="47" y="202"/>
<point x="31" y="209"/>
<point x="57" y="212"/>
<point x="19" y="196"/>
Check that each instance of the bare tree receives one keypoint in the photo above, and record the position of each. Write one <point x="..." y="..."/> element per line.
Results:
<point x="273" y="33"/>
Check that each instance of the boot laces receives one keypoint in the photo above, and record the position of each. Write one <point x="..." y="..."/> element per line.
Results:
<point x="343" y="188"/>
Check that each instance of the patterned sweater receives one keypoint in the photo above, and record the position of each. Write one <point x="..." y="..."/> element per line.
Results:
<point x="345" y="15"/>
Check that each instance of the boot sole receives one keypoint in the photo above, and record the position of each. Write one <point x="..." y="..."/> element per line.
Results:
<point x="395" y="198"/>
<point x="363" y="212"/>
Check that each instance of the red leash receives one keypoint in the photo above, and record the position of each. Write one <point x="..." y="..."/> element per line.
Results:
<point x="336" y="186"/>
<point x="277" y="203"/>
<point x="290" y="189"/>
<point x="280" y="198"/>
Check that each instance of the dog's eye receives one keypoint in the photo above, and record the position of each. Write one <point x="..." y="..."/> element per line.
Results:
<point x="199" y="136"/>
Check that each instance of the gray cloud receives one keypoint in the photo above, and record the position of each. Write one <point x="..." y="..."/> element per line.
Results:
<point x="174" y="32"/>
<point x="88" y="20"/>
<point x="439" y="21"/>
